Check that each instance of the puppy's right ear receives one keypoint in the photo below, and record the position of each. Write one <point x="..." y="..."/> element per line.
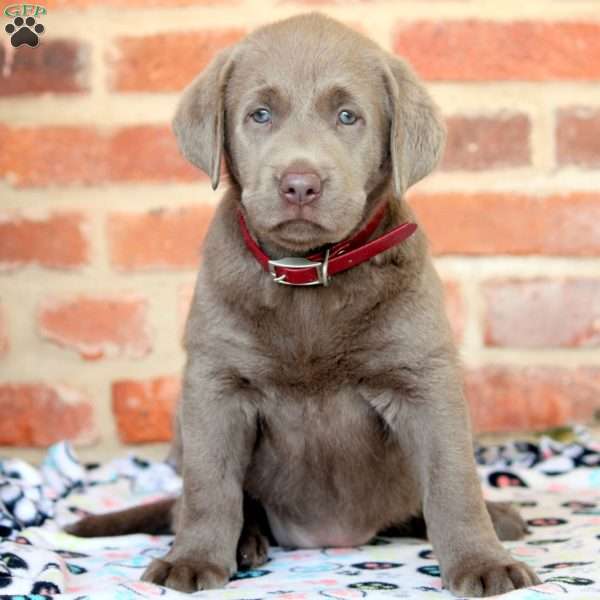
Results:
<point x="199" y="120"/>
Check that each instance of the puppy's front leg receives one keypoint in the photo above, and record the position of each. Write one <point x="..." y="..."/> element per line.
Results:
<point x="218" y="432"/>
<point x="432" y="425"/>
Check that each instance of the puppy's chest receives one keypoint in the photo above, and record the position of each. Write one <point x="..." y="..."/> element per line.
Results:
<point x="325" y="434"/>
<point x="313" y="359"/>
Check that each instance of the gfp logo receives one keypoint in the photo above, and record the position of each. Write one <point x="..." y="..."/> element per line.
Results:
<point x="24" y="29"/>
<point x="24" y="10"/>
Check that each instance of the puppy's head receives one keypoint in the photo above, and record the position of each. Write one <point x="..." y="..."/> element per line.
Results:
<point x="312" y="117"/>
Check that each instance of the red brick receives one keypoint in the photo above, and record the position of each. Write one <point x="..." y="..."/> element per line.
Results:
<point x="4" y="339"/>
<point x="512" y="399"/>
<point x="578" y="137"/>
<point x="488" y="224"/>
<point x="162" y="238"/>
<point x="147" y="153"/>
<point x="97" y="327"/>
<point x="55" y="66"/>
<point x="144" y="409"/>
<point x="58" y="240"/>
<point x="473" y="50"/>
<point x="39" y="414"/>
<point x="479" y="143"/>
<point x="455" y="308"/>
<point x="87" y="156"/>
<point x="542" y="313"/>
<point x="38" y="156"/>
<point x="167" y="61"/>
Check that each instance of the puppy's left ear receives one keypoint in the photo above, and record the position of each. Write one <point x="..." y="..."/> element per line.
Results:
<point x="417" y="133"/>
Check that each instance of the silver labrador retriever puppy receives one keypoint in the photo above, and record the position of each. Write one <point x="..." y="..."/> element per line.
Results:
<point x="337" y="407"/>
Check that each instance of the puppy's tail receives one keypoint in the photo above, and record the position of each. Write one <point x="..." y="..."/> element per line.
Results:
<point x="155" y="518"/>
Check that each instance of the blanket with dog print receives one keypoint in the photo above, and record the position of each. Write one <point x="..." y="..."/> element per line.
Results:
<point x="556" y="485"/>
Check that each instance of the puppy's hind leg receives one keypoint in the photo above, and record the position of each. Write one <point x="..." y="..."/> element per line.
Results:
<point x="507" y="522"/>
<point x="253" y="546"/>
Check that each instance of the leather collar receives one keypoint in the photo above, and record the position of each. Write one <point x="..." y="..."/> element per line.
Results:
<point x="317" y="269"/>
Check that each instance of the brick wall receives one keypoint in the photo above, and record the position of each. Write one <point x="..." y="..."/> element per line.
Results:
<point x="100" y="218"/>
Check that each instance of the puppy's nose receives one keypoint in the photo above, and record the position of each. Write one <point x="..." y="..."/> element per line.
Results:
<point x="300" y="188"/>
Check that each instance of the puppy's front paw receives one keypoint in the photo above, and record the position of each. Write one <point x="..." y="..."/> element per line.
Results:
<point x="489" y="579"/>
<point x="186" y="576"/>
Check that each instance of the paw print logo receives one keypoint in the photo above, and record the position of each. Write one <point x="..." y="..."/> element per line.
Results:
<point x="24" y="31"/>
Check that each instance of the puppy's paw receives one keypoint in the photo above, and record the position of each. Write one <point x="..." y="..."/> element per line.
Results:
<point x="489" y="579"/>
<point x="507" y="521"/>
<point x="252" y="551"/>
<point x="186" y="576"/>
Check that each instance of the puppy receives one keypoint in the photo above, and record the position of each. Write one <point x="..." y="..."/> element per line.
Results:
<point x="335" y="406"/>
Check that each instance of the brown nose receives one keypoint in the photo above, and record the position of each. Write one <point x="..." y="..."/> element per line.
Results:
<point x="300" y="188"/>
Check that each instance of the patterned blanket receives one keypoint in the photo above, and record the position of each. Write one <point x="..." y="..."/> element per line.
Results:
<point x="557" y="486"/>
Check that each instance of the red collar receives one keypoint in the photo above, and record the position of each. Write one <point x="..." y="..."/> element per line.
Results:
<point x="317" y="269"/>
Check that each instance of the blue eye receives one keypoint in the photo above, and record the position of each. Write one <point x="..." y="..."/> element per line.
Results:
<point x="347" y="117"/>
<point x="262" y="116"/>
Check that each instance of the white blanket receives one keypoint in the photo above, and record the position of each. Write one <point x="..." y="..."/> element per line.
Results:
<point x="556" y="485"/>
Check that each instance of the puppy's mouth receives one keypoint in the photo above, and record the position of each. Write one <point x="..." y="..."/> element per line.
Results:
<point x="298" y="232"/>
<point x="295" y="229"/>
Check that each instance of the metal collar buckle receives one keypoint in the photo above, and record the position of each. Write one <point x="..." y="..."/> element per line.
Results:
<point x="294" y="262"/>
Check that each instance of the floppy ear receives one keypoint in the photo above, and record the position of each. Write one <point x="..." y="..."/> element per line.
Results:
<point x="416" y="132"/>
<point x="199" y="121"/>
